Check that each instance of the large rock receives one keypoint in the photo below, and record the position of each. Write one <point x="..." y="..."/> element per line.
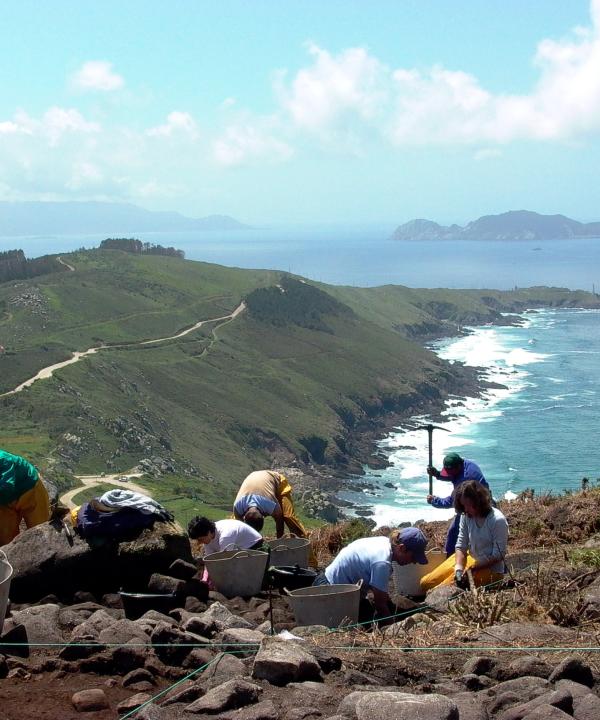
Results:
<point x="241" y="640"/>
<point x="439" y="598"/>
<point x="398" y="706"/>
<point x="470" y="707"/>
<point x="561" y="699"/>
<point x="45" y="561"/>
<point x="224" y="667"/>
<point x="587" y="707"/>
<point x="547" y="712"/>
<point x="70" y="617"/>
<point x="121" y="632"/>
<point x="90" y="700"/>
<point x="528" y="665"/>
<point x="173" y="645"/>
<point x="523" y="688"/>
<point x="283" y="661"/>
<point x="228" y="696"/>
<point x="93" y="625"/>
<point x="216" y="619"/>
<point x="573" y="668"/>
<point x="265" y="710"/>
<point x="186" y="692"/>
<point x="40" y="622"/>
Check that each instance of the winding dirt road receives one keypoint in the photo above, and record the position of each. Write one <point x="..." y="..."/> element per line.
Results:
<point x="93" y="480"/>
<point x="49" y="371"/>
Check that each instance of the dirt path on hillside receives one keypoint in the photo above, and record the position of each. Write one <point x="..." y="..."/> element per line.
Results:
<point x="48" y="371"/>
<point x="66" y="264"/>
<point x="93" y="480"/>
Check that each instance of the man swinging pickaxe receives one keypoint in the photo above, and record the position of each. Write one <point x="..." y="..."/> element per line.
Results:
<point x="456" y="470"/>
<point x="430" y="428"/>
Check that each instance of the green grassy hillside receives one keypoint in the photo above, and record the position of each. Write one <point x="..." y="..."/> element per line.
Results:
<point x="293" y="379"/>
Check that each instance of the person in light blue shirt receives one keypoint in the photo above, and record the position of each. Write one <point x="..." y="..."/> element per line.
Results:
<point x="456" y="470"/>
<point x="370" y="560"/>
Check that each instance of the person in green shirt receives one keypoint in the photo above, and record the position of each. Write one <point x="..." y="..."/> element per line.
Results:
<point x="23" y="496"/>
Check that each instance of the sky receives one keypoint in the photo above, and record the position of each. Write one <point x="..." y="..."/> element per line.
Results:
<point x="304" y="112"/>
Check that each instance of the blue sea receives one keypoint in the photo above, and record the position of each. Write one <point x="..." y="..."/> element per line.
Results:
<point x="540" y="432"/>
<point x="365" y="256"/>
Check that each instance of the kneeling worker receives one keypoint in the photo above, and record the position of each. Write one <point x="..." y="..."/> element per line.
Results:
<point x="481" y="545"/>
<point x="23" y="496"/>
<point x="370" y="560"/>
<point x="266" y="492"/>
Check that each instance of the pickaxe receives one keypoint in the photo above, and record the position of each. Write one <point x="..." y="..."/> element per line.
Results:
<point x="430" y="429"/>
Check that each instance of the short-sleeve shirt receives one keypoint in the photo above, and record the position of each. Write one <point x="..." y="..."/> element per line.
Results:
<point x="367" y="559"/>
<point x="17" y="476"/>
<point x="259" y="490"/>
<point x="230" y="533"/>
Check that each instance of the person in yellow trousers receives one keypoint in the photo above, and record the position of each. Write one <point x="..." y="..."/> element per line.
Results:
<point x="481" y="545"/>
<point x="23" y="496"/>
<point x="266" y="492"/>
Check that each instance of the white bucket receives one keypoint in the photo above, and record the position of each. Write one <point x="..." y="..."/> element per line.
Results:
<point x="6" y="572"/>
<point x="407" y="578"/>
<point x="328" y="605"/>
<point x="237" y="572"/>
<point x="289" y="551"/>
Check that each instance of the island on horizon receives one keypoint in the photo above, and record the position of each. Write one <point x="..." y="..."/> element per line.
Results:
<point x="512" y="225"/>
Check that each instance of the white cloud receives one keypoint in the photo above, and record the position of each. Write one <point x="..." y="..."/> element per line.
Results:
<point x="352" y="82"/>
<point x="177" y="122"/>
<point x="62" y="154"/>
<point x="354" y="92"/>
<point x="7" y="127"/>
<point x="246" y="141"/>
<point x="57" y="121"/>
<point x="97" y="75"/>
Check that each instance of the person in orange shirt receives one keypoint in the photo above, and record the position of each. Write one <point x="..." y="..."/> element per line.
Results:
<point x="23" y="496"/>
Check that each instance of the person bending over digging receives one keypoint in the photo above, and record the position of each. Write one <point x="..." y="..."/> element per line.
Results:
<point x="370" y="560"/>
<point x="23" y="496"/>
<point x="456" y="470"/>
<point x="223" y="535"/>
<point x="481" y="544"/>
<point x="266" y="492"/>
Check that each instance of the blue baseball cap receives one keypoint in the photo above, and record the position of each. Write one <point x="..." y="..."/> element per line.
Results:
<point x="413" y="540"/>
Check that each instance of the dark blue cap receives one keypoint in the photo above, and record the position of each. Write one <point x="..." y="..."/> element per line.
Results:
<point x="413" y="539"/>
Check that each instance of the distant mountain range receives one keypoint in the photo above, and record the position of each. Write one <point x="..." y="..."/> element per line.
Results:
<point x="513" y="225"/>
<point x="114" y="219"/>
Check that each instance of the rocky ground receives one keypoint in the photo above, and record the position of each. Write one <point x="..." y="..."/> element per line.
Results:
<point x="526" y="650"/>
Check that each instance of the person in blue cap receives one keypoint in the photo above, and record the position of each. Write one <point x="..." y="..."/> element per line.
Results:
<point x="456" y="470"/>
<point x="370" y="560"/>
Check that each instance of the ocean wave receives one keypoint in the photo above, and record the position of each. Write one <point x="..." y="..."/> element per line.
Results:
<point x="389" y="515"/>
<point x="509" y="360"/>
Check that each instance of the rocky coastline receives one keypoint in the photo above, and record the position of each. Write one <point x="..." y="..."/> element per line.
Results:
<point x="361" y="437"/>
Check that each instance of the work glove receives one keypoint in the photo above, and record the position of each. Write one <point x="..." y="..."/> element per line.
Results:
<point x="461" y="579"/>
